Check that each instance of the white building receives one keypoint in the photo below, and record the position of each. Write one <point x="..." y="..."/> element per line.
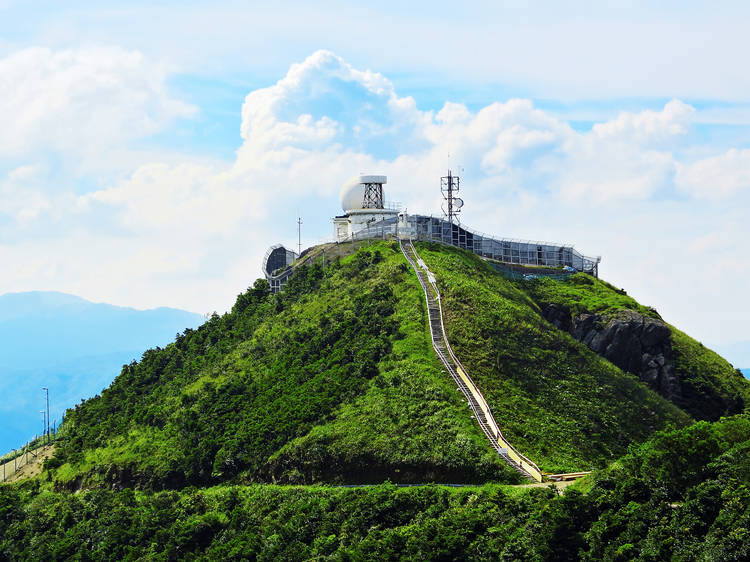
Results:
<point x="363" y="205"/>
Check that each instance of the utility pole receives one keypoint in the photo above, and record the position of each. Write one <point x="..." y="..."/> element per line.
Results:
<point x="46" y="391"/>
<point x="299" y="236"/>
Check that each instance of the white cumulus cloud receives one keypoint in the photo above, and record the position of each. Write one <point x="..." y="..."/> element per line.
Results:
<point x="718" y="176"/>
<point x="192" y="234"/>
<point x="76" y="100"/>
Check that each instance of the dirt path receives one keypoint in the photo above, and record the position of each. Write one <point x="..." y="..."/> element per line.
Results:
<point x="20" y="469"/>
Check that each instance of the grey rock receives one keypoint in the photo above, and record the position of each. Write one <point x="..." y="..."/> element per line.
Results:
<point x="631" y="341"/>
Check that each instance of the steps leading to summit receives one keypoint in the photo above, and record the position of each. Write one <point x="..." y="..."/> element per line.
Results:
<point x="476" y="401"/>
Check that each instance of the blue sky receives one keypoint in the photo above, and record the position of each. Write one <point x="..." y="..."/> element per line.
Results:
<point x="150" y="154"/>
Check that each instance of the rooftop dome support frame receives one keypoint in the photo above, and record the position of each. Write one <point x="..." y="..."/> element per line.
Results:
<point x="373" y="196"/>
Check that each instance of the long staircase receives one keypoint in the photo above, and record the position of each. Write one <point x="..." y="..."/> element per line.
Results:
<point x="474" y="397"/>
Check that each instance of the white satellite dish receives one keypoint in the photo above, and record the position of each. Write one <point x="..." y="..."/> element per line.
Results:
<point x="458" y="202"/>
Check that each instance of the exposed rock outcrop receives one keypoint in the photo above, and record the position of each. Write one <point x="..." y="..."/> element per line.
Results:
<point x="633" y="342"/>
<point x="643" y="346"/>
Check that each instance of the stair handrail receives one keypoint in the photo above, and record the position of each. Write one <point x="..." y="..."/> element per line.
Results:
<point x="530" y="466"/>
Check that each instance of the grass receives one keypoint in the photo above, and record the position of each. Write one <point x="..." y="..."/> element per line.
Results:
<point x="335" y="380"/>
<point x="582" y="293"/>
<point x="560" y="404"/>
<point x="710" y="386"/>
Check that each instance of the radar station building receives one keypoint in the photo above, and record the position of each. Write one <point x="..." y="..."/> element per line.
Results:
<point x="277" y="260"/>
<point x="367" y="215"/>
<point x="363" y="205"/>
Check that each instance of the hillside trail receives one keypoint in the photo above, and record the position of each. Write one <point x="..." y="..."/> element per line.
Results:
<point x="560" y="485"/>
<point x="27" y="465"/>
<point x="471" y="392"/>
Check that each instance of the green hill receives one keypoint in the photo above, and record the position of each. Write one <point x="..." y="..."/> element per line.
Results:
<point x="334" y="381"/>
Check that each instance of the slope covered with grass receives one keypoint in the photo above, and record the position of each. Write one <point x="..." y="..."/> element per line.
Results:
<point x="709" y="387"/>
<point x="335" y="380"/>
<point x="332" y="380"/>
<point x="562" y="405"/>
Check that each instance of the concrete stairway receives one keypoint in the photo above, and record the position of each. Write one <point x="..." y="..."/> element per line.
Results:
<point x="471" y="392"/>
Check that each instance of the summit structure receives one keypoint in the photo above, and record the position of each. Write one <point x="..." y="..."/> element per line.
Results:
<point x="368" y="215"/>
<point x="364" y="206"/>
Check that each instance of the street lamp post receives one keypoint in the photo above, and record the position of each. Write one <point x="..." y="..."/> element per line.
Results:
<point x="44" y="423"/>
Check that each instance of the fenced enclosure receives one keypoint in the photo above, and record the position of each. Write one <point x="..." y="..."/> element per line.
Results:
<point x="561" y="257"/>
<point x="506" y="250"/>
<point x="34" y="451"/>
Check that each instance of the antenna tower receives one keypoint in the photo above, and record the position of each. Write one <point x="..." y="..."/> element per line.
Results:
<point x="449" y="186"/>
<point x="299" y="236"/>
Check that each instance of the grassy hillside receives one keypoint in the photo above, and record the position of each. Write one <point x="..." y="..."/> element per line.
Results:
<point x="558" y="402"/>
<point x="710" y="386"/>
<point x="334" y="380"/>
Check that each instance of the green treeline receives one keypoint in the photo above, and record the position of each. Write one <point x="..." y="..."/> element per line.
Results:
<point x="682" y="495"/>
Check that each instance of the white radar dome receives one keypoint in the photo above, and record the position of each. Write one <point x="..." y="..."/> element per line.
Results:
<point x="353" y="191"/>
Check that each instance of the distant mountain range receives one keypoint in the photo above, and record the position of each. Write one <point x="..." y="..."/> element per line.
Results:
<point x="72" y="346"/>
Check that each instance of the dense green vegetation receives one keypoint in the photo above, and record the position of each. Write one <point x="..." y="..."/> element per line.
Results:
<point x="685" y="494"/>
<point x="710" y="386"/>
<point x="332" y="380"/>
<point x="335" y="381"/>
<point x="558" y="402"/>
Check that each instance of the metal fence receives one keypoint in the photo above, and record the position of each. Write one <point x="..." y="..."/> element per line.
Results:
<point x="434" y="229"/>
<point x="506" y="250"/>
<point x="17" y="459"/>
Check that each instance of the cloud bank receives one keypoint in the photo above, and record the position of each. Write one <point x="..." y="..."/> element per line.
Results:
<point x="78" y="100"/>
<point x="191" y="234"/>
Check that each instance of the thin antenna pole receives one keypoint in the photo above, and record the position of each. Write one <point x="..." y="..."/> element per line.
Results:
<point x="299" y="236"/>
<point x="46" y="391"/>
<point x="450" y="197"/>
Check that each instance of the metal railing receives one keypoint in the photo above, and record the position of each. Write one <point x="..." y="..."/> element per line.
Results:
<point x="474" y="397"/>
<point x="11" y="463"/>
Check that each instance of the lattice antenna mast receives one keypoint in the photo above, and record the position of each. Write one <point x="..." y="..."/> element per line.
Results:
<point x="449" y="187"/>
<point x="373" y="196"/>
